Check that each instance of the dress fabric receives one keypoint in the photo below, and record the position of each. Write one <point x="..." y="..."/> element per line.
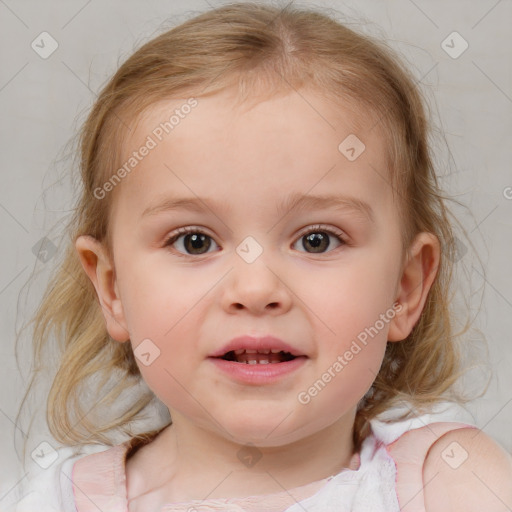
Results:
<point x="384" y="476"/>
<point x="381" y="478"/>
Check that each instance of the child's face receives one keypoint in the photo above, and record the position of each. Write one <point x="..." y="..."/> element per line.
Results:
<point x="318" y="295"/>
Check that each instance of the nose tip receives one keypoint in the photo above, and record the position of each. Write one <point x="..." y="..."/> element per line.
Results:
<point x="257" y="288"/>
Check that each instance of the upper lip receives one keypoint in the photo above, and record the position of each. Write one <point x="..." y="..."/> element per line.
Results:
<point x="247" y="342"/>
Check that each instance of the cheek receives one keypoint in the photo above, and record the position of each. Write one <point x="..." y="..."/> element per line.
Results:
<point x="155" y="301"/>
<point x="345" y="302"/>
<point x="346" y="375"/>
<point x="164" y="382"/>
<point x="173" y="357"/>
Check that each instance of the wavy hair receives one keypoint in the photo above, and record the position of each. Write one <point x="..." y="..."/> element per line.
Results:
<point x="263" y="51"/>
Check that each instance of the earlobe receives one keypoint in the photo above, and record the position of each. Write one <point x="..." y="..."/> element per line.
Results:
<point x="99" y="268"/>
<point x="418" y="274"/>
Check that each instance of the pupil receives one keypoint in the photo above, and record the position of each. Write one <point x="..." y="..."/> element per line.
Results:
<point x="193" y="243"/>
<point x="317" y="240"/>
<point x="196" y="240"/>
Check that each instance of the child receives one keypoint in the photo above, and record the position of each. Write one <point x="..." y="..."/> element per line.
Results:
<point x="262" y="241"/>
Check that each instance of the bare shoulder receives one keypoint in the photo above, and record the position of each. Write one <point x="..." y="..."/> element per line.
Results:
<point x="466" y="470"/>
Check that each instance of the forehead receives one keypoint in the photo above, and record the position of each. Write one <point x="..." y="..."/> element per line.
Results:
<point x="294" y="141"/>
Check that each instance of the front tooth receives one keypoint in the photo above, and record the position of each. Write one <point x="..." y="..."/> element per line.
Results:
<point x="264" y="361"/>
<point x="264" y="351"/>
<point x="251" y="351"/>
<point x="252" y="361"/>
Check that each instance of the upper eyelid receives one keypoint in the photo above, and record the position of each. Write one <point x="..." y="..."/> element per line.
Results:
<point x="305" y="229"/>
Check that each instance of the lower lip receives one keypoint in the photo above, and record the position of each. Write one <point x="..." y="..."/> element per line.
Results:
<point x="258" y="373"/>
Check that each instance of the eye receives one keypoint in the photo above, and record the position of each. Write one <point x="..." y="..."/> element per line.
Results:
<point x="195" y="241"/>
<point x="317" y="238"/>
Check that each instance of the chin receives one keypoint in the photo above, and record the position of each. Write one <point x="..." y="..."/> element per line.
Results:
<point x="272" y="431"/>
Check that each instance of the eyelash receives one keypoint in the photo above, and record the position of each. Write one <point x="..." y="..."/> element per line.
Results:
<point x="339" y="235"/>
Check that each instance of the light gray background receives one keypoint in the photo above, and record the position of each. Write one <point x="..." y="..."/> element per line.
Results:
<point x="43" y="102"/>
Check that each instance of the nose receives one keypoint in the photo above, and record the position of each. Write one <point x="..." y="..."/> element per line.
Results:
<point x="257" y="288"/>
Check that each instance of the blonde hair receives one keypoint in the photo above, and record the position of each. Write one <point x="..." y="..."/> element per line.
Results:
<point x="263" y="51"/>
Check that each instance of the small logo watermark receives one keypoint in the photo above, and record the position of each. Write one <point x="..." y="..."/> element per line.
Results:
<point x="249" y="249"/>
<point x="249" y="455"/>
<point x="44" y="455"/>
<point x="351" y="147"/>
<point x="44" y="45"/>
<point x="44" y="249"/>
<point x="454" y="455"/>
<point x="146" y="352"/>
<point x="454" y="45"/>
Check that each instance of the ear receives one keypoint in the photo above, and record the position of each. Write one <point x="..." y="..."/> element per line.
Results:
<point x="99" y="268"/>
<point x="418" y="274"/>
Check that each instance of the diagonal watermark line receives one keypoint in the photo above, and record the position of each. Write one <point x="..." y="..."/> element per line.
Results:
<point x="216" y="487"/>
<point x="96" y="95"/>
<point x="406" y="405"/>
<point x="492" y="81"/>
<point x="417" y="82"/>
<point x="14" y="218"/>
<point x="2" y="1"/>
<point x="297" y="92"/>
<point x="491" y="9"/>
<point x="199" y="403"/>
<point x="397" y="191"/>
<point x="79" y="78"/>
<point x="15" y="75"/>
<point x="282" y="77"/>
<point x="83" y="492"/>
<point x="375" y="170"/>
<point x="424" y="14"/>
<point x="279" y="424"/>
<point x="280" y="12"/>
<point x="492" y="417"/>
<point x="285" y="490"/>
<point x="419" y="492"/>
<point x="308" y="191"/>
<point x="15" y="424"/>
<point x="508" y="508"/>
<point x="484" y="218"/>
<point x="301" y="300"/>
<point x="13" y="279"/>
<point x="375" y="375"/>
<point x="73" y="17"/>
<point x="13" y="487"/>
<point x="202" y="202"/>
<point x="492" y="286"/>
<point x="198" y="301"/>
<point x="228" y="66"/>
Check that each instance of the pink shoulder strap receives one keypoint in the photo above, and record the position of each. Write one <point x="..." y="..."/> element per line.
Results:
<point x="99" y="480"/>
<point x="409" y="452"/>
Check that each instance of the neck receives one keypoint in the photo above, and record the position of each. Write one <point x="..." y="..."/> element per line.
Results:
<point x="199" y="463"/>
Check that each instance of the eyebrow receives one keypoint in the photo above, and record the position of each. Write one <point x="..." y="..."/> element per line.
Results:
<point x="296" y="202"/>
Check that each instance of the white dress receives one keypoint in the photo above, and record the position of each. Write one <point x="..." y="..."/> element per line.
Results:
<point x="371" y="487"/>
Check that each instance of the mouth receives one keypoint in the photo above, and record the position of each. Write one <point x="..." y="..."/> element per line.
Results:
<point x="264" y="356"/>
<point x="258" y="360"/>
<point x="258" y="366"/>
